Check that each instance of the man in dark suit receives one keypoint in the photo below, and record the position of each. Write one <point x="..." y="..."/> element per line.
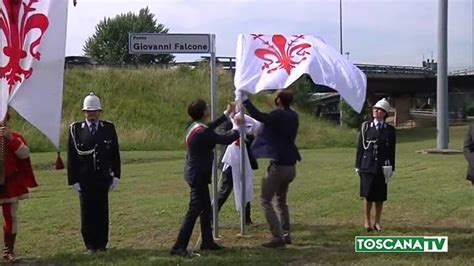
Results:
<point x="93" y="168"/>
<point x="280" y="130"/>
<point x="201" y="140"/>
<point x="469" y="153"/>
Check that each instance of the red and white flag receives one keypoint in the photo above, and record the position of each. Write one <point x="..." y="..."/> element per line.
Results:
<point x="271" y="62"/>
<point x="33" y="41"/>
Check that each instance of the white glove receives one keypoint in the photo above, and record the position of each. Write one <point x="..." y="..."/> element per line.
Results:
<point x="114" y="184"/>
<point x="387" y="172"/>
<point x="357" y="170"/>
<point x="77" y="188"/>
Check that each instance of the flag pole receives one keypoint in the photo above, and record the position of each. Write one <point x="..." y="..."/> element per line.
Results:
<point x="243" y="201"/>
<point x="215" y="210"/>
<point x="341" y="122"/>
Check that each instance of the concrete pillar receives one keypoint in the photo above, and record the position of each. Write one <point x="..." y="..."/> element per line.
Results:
<point x="402" y="105"/>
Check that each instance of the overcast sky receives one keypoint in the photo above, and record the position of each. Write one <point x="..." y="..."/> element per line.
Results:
<point x="394" y="32"/>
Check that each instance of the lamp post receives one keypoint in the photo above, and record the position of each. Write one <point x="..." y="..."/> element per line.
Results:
<point x="442" y="77"/>
<point x="340" y="26"/>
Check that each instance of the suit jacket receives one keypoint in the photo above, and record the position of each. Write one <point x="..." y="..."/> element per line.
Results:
<point x="380" y="146"/>
<point x="278" y="135"/>
<point x="93" y="160"/>
<point x="469" y="153"/>
<point x="200" y="154"/>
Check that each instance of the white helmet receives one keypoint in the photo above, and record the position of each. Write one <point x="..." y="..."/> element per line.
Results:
<point x="383" y="104"/>
<point x="91" y="103"/>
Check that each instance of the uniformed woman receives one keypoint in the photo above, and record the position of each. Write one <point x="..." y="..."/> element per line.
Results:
<point x="375" y="155"/>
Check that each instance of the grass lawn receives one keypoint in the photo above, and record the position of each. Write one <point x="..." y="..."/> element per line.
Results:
<point x="428" y="196"/>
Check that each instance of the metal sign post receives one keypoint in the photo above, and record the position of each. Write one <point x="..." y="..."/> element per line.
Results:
<point x="215" y="210"/>
<point x="171" y="43"/>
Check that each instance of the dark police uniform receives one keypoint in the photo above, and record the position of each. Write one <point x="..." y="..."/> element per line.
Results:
<point x="197" y="173"/>
<point x="376" y="148"/>
<point x="93" y="162"/>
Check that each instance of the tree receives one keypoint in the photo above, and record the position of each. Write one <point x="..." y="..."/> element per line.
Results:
<point x="350" y="117"/>
<point x="109" y="44"/>
<point x="303" y="89"/>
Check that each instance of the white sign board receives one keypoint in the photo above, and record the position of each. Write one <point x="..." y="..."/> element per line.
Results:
<point x="167" y="43"/>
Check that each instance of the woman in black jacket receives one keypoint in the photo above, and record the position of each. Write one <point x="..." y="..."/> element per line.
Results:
<point x="375" y="151"/>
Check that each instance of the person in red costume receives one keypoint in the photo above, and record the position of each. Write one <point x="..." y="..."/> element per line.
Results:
<point x="19" y="177"/>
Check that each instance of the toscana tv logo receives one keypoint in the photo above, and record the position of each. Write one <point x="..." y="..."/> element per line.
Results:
<point x="401" y="244"/>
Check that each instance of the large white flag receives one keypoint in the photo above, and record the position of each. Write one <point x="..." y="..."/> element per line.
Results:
<point x="270" y="62"/>
<point x="33" y="41"/>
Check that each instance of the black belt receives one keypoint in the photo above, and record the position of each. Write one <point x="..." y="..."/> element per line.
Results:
<point x="281" y="164"/>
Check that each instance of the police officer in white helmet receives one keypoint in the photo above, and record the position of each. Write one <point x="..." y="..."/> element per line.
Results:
<point x="375" y="162"/>
<point x="93" y="170"/>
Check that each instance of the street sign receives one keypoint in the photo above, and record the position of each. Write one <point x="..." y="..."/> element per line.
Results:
<point x="167" y="43"/>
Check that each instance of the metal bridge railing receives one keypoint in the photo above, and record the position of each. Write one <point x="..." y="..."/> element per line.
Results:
<point x="399" y="70"/>
<point x="462" y="71"/>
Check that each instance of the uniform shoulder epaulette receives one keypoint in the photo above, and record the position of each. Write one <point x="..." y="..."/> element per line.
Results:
<point x="106" y="122"/>
<point x="74" y="123"/>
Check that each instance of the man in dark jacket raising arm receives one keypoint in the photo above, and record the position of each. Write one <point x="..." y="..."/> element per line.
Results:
<point x="280" y="130"/>
<point x="201" y="140"/>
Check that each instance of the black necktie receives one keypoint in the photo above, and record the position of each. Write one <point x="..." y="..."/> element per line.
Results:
<point x="377" y="126"/>
<point x="92" y="128"/>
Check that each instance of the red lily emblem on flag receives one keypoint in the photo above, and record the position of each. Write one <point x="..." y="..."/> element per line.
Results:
<point x="282" y="54"/>
<point x="22" y="41"/>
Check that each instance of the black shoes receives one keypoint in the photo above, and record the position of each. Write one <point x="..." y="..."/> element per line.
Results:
<point x="211" y="246"/>
<point x="91" y="251"/>
<point x="287" y="238"/>
<point x="377" y="227"/>
<point x="186" y="254"/>
<point x="180" y="252"/>
<point x="276" y="243"/>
